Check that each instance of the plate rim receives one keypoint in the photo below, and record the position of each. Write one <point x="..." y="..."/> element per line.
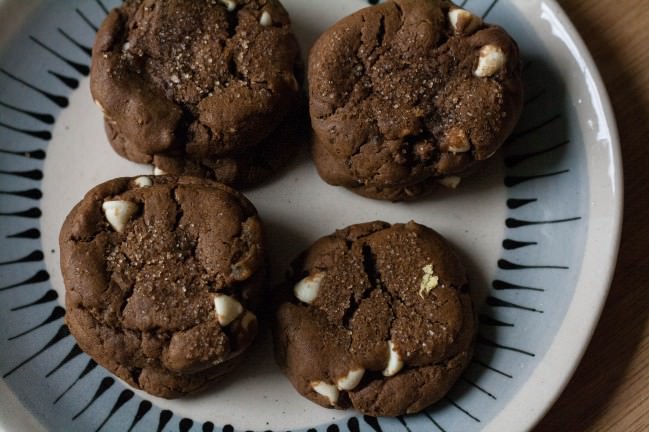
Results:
<point x="530" y="414"/>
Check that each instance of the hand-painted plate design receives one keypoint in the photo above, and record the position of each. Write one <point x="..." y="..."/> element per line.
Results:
<point x="539" y="228"/>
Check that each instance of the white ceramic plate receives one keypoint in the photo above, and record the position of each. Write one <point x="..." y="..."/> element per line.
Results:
<point x="539" y="229"/>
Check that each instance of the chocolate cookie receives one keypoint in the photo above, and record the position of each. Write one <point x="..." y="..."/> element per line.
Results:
<point x="410" y="91"/>
<point x="195" y="79"/>
<point x="376" y="316"/>
<point x="163" y="278"/>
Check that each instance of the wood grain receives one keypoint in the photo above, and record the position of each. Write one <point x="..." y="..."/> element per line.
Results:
<point x="610" y="389"/>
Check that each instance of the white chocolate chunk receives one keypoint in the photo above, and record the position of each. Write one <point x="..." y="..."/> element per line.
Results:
<point x="457" y="141"/>
<point x="307" y="289"/>
<point x="327" y="390"/>
<point x="230" y="5"/>
<point x="157" y="171"/>
<point x="143" y="181"/>
<point x="429" y="280"/>
<point x="395" y="362"/>
<point x="227" y="309"/>
<point x="265" y="19"/>
<point x="101" y="107"/>
<point x="491" y="61"/>
<point x="463" y="21"/>
<point x="118" y="213"/>
<point x="450" y="182"/>
<point x="351" y="380"/>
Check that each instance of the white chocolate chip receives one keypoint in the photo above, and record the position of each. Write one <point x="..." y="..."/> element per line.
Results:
<point x="230" y="5"/>
<point x="227" y="309"/>
<point x="351" y="380"/>
<point x="491" y="61"/>
<point x="450" y="182"/>
<point x="265" y="19"/>
<point x="463" y="22"/>
<point x="327" y="390"/>
<point x="429" y="280"/>
<point x="395" y="363"/>
<point x="456" y="141"/>
<point x="118" y="213"/>
<point x="307" y="289"/>
<point x="126" y="46"/>
<point x="157" y="171"/>
<point x="143" y="181"/>
<point x="101" y="107"/>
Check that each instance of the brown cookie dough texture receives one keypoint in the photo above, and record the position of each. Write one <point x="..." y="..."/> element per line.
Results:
<point x="200" y="82"/>
<point x="410" y="93"/>
<point x="377" y="317"/>
<point x="163" y="278"/>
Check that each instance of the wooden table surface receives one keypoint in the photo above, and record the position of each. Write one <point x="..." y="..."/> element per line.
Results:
<point x="610" y="389"/>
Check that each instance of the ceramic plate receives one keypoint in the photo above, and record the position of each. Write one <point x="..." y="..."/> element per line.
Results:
<point x="539" y="229"/>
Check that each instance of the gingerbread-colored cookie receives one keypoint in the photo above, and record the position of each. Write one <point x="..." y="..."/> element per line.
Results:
<point x="410" y="91"/>
<point x="163" y="277"/>
<point x="376" y="316"/>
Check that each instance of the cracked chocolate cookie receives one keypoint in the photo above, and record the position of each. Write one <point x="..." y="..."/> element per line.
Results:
<point x="163" y="279"/>
<point x="409" y="92"/>
<point x="375" y="316"/>
<point x="196" y="80"/>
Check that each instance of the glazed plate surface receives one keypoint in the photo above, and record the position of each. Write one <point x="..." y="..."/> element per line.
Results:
<point x="539" y="228"/>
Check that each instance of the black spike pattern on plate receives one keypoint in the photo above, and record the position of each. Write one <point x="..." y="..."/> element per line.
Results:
<point x="373" y="422"/>
<point x="90" y="366"/>
<point x="503" y="285"/>
<point x="105" y="384"/>
<point x="32" y="213"/>
<point x="165" y="416"/>
<point x="29" y="154"/>
<point x="488" y="342"/>
<point x="69" y="82"/>
<point x="510" y="244"/>
<point x="432" y="420"/>
<point x="31" y="233"/>
<point x="59" y="100"/>
<point x="146" y="411"/>
<point x="40" y="276"/>
<point x="61" y="334"/>
<point x="472" y="384"/>
<point x="486" y="366"/>
<point x="49" y="296"/>
<point x="47" y="119"/>
<point x="125" y="396"/>
<point x="34" y="174"/>
<point x="143" y="408"/>
<point x="456" y="405"/>
<point x="32" y="257"/>
<point x="74" y="352"/>
<point x="80" y="68"/>
<point x="40" y="134"/>
<point x="34" y="194"/>
<point x="57" y="313"/>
